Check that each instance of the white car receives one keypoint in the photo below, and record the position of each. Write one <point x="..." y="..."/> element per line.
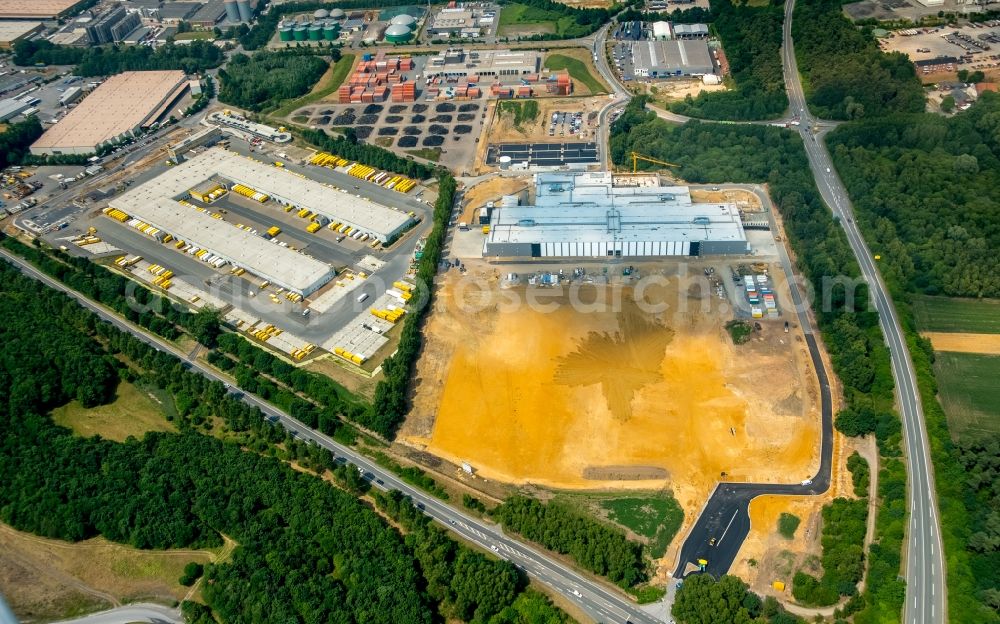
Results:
<point x="576" y="592"/>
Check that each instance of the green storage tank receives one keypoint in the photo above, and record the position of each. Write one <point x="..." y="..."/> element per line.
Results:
<point x="315" y="32"/>
<point x="285" y="33"/>
<point x="300" y="32"/>
<point x="397" y="33"/>
<point x="331" y="30"/>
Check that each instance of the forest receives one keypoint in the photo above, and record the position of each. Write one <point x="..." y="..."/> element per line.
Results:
<point x="751" y="38"/>
<point x="307" y="551"/>
<point x="264" y="80"/>
<point x="194" y="57"/>
<point x="16" y="139"/>
<point x="845" y="74"/>
<point x="925" y="189"/>
<point x="594" y="545"/>
<point x="702" y="599"/>
<point x="757" y="153"/>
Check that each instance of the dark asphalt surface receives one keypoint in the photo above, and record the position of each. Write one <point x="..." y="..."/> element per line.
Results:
<point x="544" y="154"/>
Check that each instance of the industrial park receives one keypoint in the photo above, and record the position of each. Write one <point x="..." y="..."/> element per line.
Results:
<point x="576" y="312"/>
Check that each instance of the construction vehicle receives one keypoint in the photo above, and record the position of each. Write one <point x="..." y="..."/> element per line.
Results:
<point x="636" y="157"/>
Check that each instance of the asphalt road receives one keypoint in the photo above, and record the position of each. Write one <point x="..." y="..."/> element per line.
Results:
<point x="925" y="572"/>
<point x="139" y="612"/>
<point x="601" y="602"/>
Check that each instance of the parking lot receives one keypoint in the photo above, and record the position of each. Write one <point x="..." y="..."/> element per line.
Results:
<point x="544" y="154"/>
<point x="452" y="127"/>
<point x="271" y="315"/>
<point x="621" y="55"/>
<point x="975" y="46"/>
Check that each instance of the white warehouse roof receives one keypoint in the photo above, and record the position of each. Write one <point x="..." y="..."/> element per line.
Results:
<point x="375" y="219"/>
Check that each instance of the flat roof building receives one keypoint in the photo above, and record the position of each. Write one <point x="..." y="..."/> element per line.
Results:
<point x="117" y="108"/>
<point x="286" y="187"/>
<point x="591" y="215"/>
<point x="37" y="9"/>
<point x="448" y="21"/>
<point x="492" y="63"/>
<point x="10" y="108"/>
<point x="13" y="31"/>
<point x="153" y="203"/>
<point x="679" y="57"/>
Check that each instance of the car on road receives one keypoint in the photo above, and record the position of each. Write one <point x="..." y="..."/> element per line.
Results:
<point x="807" y="482"/>
<point x="494" y="548"/>
<point x="576" y="592"/>
<point x="711" y="542"/>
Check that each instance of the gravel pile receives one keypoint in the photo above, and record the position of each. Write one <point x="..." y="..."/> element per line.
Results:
<point x="368" y="119"/>
<point x="466" y="116"/>
<point x="363" y="132"/>
<point x="407" y="141"/>
<point x="393" y="119"/>
<point x="468" y="108"/>
<point x="432" y="141"/>
<point x="419" y="108"/>
<point x="442" y="118"/>
<point x="396" y="109"/>
<point x="463" y="129"/>
<point x="373" y="109"/>
<point x="345" y="118"/>
<point x="439" y="130"/>
<point x="445" y="107"/>
<point x="412" y="131"/>
<point x="388" y="131"/>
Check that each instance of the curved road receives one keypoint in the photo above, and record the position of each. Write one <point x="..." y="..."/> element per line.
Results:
<point x="139" y="612"/>
<point x="925" y="572"/>
<point x="602" y="602"/>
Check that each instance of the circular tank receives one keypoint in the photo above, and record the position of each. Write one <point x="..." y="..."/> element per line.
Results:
<point x="315" y="32"/>
<point x="331" y="30"/>
<point x="397" y="33"/>
<point x="337" y="13"/>
<point x="285" y="33"/>
<point x="404" y="20"/>
<point x="321" y="14"/>
<point x="505" y="162"/>
<point x="301" y="32"/>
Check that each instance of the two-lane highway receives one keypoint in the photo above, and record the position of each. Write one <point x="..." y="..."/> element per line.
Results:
<point x="925" y="573"/>
<point x="601" y="602"/>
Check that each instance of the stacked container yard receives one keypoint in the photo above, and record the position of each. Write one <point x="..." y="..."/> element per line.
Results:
<point x="404" y="92"/>
<point x="559" y="84"/>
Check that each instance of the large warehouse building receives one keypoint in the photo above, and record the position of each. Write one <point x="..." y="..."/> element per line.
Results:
<point x="587" y="215"/>
<point x="36" y="9"/>
<point x="123" y="104"/>
<point x="678" y="57"/>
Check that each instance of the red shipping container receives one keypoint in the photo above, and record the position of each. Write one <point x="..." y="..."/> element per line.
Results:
<point x="474" y="92"/>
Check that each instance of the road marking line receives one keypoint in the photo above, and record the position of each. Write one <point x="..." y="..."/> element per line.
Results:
<point x="736" y="513"/>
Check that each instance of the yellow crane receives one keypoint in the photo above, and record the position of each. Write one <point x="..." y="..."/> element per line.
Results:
<point x="636" y="157"/>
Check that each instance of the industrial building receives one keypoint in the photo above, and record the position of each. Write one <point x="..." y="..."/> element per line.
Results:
<point x="678" y="57"/>
<point x="207" y="136"/>
<point x="210" y="14"/>
<point x="10" y="108"/>
<point x="119" y="107"/>
<point x="285" y="187"/>
<point x="454" y="63"/>
<point x="13" y="31"/>
<point x="579" y="215"/>
<point x="243" y="124"/>
<point x="151" y="203"/>
<point x="454" y="21"/>
<point x="37" y="9"/>
<point x="113" y="26"/>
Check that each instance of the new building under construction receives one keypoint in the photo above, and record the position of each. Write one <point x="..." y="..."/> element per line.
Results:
<point x="592" y="215"/>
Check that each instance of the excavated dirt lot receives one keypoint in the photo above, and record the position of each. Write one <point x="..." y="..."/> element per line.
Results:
<point x="611" y="398"/>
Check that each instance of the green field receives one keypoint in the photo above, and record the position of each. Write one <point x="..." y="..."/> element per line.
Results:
<point x="945" y="314"/>
<point x="577" y="69"/>
<point x="512" y="16"/>
<point x="969" y="392"/>
<point x="330" y="82"/>
<point x="657" y="518"/>
<point x="132" y="413"/>
<point x="427" y="153"/>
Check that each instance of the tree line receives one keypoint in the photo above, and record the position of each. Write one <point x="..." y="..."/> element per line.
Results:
<point x="264" y="80"/>
<point x="16" y="139"/>
<point x="467" y="584"/>
<point x="765" y="154"/>
<point x="391" y="402"/>
<point x="371" y="155"/>
<point x="845" y="74"/>
<point x="307" y="551"/>
<point x="136" y="303"/>
<point x="751" y="39"/>
<point x="193" y="57"/>
<point x="594" y="545"/>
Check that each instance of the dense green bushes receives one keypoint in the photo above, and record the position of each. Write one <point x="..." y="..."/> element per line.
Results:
<point x="860" y="474"/>
<point x="751" y="38"/>
<point x="926" y="190"/>
<point x="702" y="599"/>
<point x="193" y="57"/>
<point x="845" y="75"/>
<point x="264" y="80"/>
<point x="843" y="556"/>
<point x="16" y="139"/>
<point x="135" y="303"/>
<point x="594" y="545"/>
